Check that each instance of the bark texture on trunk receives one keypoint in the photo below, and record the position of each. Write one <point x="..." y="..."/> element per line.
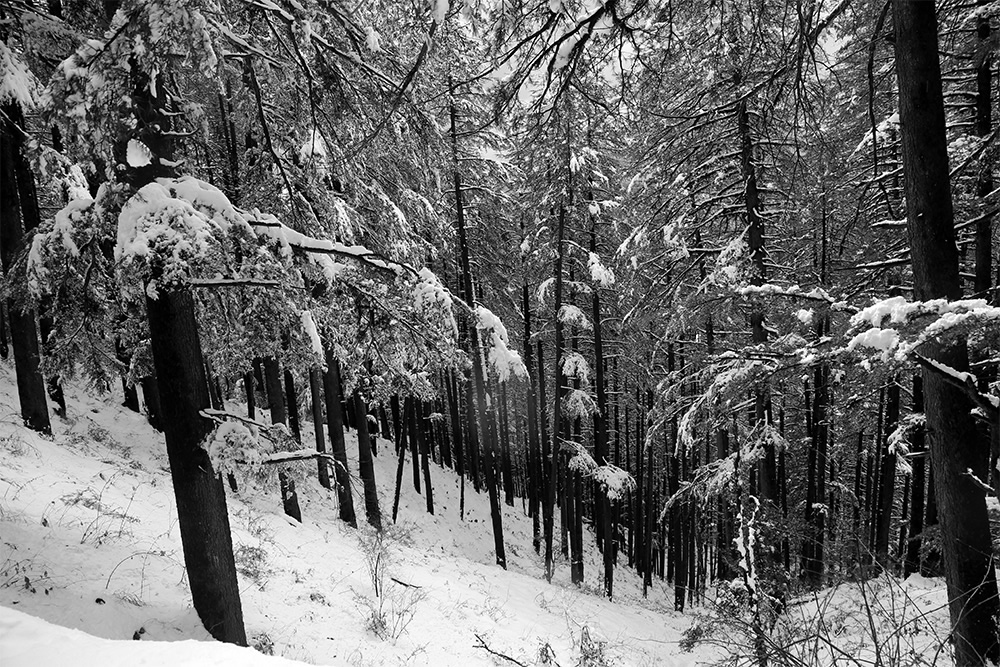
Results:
<point x="951" y="433"/>
<point x="201" y="500"/>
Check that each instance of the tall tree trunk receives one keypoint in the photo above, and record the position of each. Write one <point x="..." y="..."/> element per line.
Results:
<point x="768" y="468"/>
<point x="916" y="528"/>
<point x="316" y="395"/>
<point x="887" y="477"/>
<point x="14" y="175"/>
<point x="534" y="444"/>
<point x="967" y="545"/>
<point x="248" y="390"/>
<point x="505" y="458"/>
<point x="131" y="396"/>
<point x="601" y="453"/>
<point x="984" y="125"/>
<point x="202" y="515"/>
<point x="486" y="431"/>
<point x="554" y="453"/>
<point x="545" y="455"/>
<point x="201" y="502"/>
<point x="279" y="415"/>
<point x="365" y="463"/>
<point x="338" y="448"/>
<point x="401" y="420"/>
<point x="151" y="397"/>
<point x="419" y="437"/>
<point x="454" y="412"/>
<point x="473" y="449"/>
<point x="414" y="444"/>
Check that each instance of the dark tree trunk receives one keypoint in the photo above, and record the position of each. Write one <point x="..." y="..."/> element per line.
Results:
<point x="151" y="397"/>
<point x="292" y="402"/>
<point x="335" y="425"/>
<point x="289" y="497"/>
<point x="601" y="453"/>
<point x="128" y="390"/>
<point x="365" y="464"/>
<point x="201" y="501"/>
<point x="639" y="501"/>
<point x="930" y="562"/>
<point x="887" y="477"/>
<point x="14" y="177"/>
<point x="4" y="349"/>
<point x="248" y="390"/>
<point x="554" y="454"/>
<point x="545" y="445"/>
<point x="965" y="531"/>
<point x="455" y="419"/>
<point x="275" y="394"/>
<point x="279" y="415"/>
<point x="984" y="125"/>
<point x="768" y="468"/>
<point x="534" y="445"/>
<point x="472" y="442"/>
<point x="400" y="419"/>
<point x="916" y="529"/>
<point x="487" y="431"/>
<point x="316" y="396"/>
<point x="420" y="440"/>
<point x="505" y="458"/>
<point x="414" y="444"/>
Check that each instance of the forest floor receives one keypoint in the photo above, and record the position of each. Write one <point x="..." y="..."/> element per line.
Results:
<point x="90" y="552"/>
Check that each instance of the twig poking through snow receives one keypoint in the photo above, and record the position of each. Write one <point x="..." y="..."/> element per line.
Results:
<point x="482" y="644"/>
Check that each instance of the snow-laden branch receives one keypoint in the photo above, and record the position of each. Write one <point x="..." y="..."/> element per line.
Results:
<point x="503" y="359"/>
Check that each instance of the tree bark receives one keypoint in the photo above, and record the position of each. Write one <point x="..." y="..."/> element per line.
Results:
<point x="401" y="429"/>
<point x="279" y="415"/>
<point x="335" y="425"/>
<point x="887" y="479"/>
<point x="486" y="431"/>
<point x="534" y="448"/>
<point x="420" y="440"/>
<point x="23" y="330"/>
<point x="912" y="562"/>
<point x="967" y="545"/>
<point x="558" y="390"/>
<point x="365" y="464"/>
<point x="316" y="395"/>
<point x="201" y="501"/>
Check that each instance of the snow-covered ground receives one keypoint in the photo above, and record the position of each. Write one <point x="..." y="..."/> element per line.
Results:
<point x="89" y="540"/>
<point x="91" y="573"/>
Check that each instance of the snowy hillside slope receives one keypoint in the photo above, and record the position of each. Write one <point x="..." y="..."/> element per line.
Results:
<point x="89" y="540"/>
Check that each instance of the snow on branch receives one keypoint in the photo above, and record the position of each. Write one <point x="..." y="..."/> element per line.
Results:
<point x="580" y="459"/>
<point x="899" y="440"/>
<point x="950" y="318"/>
<point x="17" y="83"/>
<point x="711" y="480"/>
<point x="434" y="301"/>
<point x="573" y="316"/>
<point x="574" y="365"/>
<point x="315" y="344"/>
<point x="792" y="291"/>
<point x="503" y="359"/>
<point x="578" y="404"/>
<point x="599" y="273"/>
<point x="989" y="404"/>
<point x="614" y="481"/>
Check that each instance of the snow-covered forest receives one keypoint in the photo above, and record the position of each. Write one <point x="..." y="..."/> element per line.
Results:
<point x="496" y="332"/>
